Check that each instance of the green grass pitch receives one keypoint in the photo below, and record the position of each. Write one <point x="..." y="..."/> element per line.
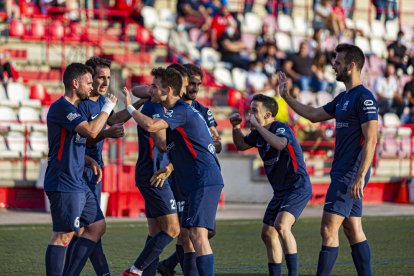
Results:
<point x="237" y="246"/>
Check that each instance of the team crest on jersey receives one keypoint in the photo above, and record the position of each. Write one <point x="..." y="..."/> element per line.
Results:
<point x="169" y="113"/>
<point x="345" y="106"/>
<point x="280" y="130"/>
<point x="368" y="102"/>
<point x="212" y="148"/>
<point x="72" y="116"/>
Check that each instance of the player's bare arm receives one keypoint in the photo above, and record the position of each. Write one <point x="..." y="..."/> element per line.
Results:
<point x="147" y="123"/>
<point x="93" y="128"/>
<point x="115" y="131"/>
<point x="370" y="132"/>
<point x="123" y="115"/>
<point x="90" y="162"/>
<point x="238" y="136"/>
<point x="274" y="141"/>
<point x="141" y="91"/>
<point x="159" y="177"/>
<point x="311" y="113"/>
<point x="160" y="140"/>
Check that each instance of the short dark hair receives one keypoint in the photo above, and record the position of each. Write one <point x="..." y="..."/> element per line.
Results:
<point x="169" y="77"/>
<point x="75" y="71"/>
<point x="268" y="102"/>
<point x="95" y="62"/>
<point x="352" y="54"/>
<point x="180" y="68"/>
<point x="194" y="70"/>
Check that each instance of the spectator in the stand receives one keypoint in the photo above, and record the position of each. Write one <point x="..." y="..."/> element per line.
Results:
<point x="407" y="116"/>
<point x="324" y="18"/>
<point x="132" y="10"/>
<point x="272" y="62"/>
<point x="230" y="46"/>
<point x="214" y="6"/>
<point x="194" y="12"/>
<point x="266" y="36"/>
<point x="7" y="72"/>
<point x="316" y="43"/>
<point x="398" y="54"/>
<point x="386" y="91"/>
<point x="179" y="39"/>
<point x="219" y="25"/>
<point x="11" y="8"/>
<point x="257" y="81"/>
<point x="338" y="12"/>
<point x="387" y="7"/>
<point x="284" y="6"/>
<point x="349" y="6"/>
<point x="298" y="67"/>
<point x="318" y="69"/>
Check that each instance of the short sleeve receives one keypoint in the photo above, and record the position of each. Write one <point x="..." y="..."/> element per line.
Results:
<point x="208" y="117"/>
<point x="284" y="131"/>
<point x="251" y="139"/>
<point x="175" y="117"/>
<point x="330" y="107"/>
<point x="147" y="109"/>
<point x="83" y="109"/>
<point x="367" y="108"/>
<point x="68" y="117"/>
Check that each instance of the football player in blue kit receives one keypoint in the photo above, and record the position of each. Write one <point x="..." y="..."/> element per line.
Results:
<point x="356" y="115"/>
<point x="72" y="204"/>
<point x="286" y="171"/>
<point x="193" y="156"/>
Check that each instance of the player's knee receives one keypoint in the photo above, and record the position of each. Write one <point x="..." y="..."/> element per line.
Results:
<point x="282" y="228"/>
<point x="266" y="237"/>
<point x="173" y="230"/>
<point x="62" y="239"/>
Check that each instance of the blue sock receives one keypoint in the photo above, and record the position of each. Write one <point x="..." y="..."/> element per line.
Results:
<point x="205" y="265"/>
<point x="69" y="252"/>
<point x="361" y="254"/>
<point x="179" y="250"/>
<point x="55" y="256"/>
<point x="151" y="270"/>
<point x="172" y="261"/>
<point x="292" y="264"/>
<point x="275" y="269"/>
<point x="81" y="251"/>
<point x="98" y="260"/>
<point x="152" y="250"/>
<point x="327" y="258"/>
<point x="190" y="264"/>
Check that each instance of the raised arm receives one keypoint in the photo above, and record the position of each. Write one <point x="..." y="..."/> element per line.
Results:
<point x="311" y="113"/>
<point x="370" y="132"/>
<point x="274" y="141"/>
<point x="238" y="136"/>
<point x="123" y="115"/>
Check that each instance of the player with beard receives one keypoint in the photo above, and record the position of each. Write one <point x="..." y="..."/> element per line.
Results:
<point x="356" y="113"/>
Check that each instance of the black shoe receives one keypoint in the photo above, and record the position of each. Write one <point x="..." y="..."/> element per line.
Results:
<point x="165" y="270"/>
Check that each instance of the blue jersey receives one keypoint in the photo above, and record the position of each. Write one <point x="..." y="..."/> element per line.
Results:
<point x="285" y="169"/>
<point x="351" y="109"/>
<point x="150" y="159"/>
<point x="191" y="148"/>
<point x="206" y="113"/>
<point x="66" y="158"/>
<point x="91" y="109"/>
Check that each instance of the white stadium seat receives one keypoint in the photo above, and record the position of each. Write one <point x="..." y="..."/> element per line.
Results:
<point x="284" y="42"/>
<point x="379" y="48"/>
<point x="166" y="18"/>
<point x="239" y="78"/>
<point x="252" y="23"/>
<point x="377" y="29"/>
<point x="38" y="142"/>
<point x="161" y="34"/>
<point x="17" y="92"/>
<point x="363" y="43"/>
<point x="29" y="114"/>
<point x="7" y="114"/>
<point x="150" y="16"/>
<point x="209" y="58"/>
<point x="363" y="25"/>
<point x="223" y="76"/>
<point x="285" y="23"/>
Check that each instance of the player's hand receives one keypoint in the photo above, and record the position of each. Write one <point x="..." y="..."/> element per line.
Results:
<point x="357" y="188"/>
<point x="216" y="138"/>
<point x="97" y="170"/>
<point x="283" y="90"/>
<point x="127" y="94"/>
<point x="116" y="131"/>
<point x="250" y="118"/>
<point x="112" y="98"/>
<point x="235" y="119"/>
<point x="159" y="177"/>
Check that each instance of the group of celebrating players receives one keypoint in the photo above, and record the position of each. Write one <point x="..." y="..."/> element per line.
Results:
<point x="179" y="175"/>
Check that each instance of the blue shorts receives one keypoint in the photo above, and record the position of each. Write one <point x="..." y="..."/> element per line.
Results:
<point x="90" y="180"/>
<point x="179" y="196"/>
<point x="158" y="201"/>
<point x="72" y="211"/>
<point x="339" y="200"/>
<point x="292" y="201"/>
<point x="202" y="207"/>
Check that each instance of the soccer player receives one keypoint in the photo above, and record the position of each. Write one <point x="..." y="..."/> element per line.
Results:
<point x="356" y="114"/>
<point x="90" y="109"/>
<point x="193" y="156"/>
<point x="72" y="204"/>
<point x="286" y="171"/>
<point x="166" y="267"/>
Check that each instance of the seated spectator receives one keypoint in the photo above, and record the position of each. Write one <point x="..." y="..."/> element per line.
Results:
<point x="214" y="6"/>
<point x="316" y="43"/>
<point x="284" y="6"/>
<point x="298" y="67"/>
<point x="398" y="54"/>
<point x="265" y="37"/>
<point x="387" y="7"/>
<point x="325" y="19"/>
<point x="179" y="39"/>
<point x="257" y="81"/>
<point x="194" y="13"/>
<point x="219" y="25"/>
<point x="339" y="13"/>
<point x="132" y="9"/>
<point x="349" y="7"/>
<point x="318" y="69"/>
<point x="7" y="71"/>
<point x="230" y="46"/>
<point x="272" y="62"/>
<point x="11" y="8"/>
<point x="386" y="91"/>
<point x="407" y="116"/>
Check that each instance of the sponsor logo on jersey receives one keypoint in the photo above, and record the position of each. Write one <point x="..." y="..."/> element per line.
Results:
<point x="93" y="117"/>
<point x="79" y="139"/>
<point x="72" y="116"/>
<point x="368" y="102"/>
<point x="345" y="106"/>
<point x="169" y="113"/>
<point x="280" y="130"/>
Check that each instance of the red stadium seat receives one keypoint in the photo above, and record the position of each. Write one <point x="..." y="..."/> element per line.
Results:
<point x="37" y="30"/>
<point x="56" y="30"/>
<point x="144" y="37"/>
<point x="16" y="28"/>
<point x="233" y="98"/>
<point x="75" y="31"/>
<point x="39" y="92"/>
